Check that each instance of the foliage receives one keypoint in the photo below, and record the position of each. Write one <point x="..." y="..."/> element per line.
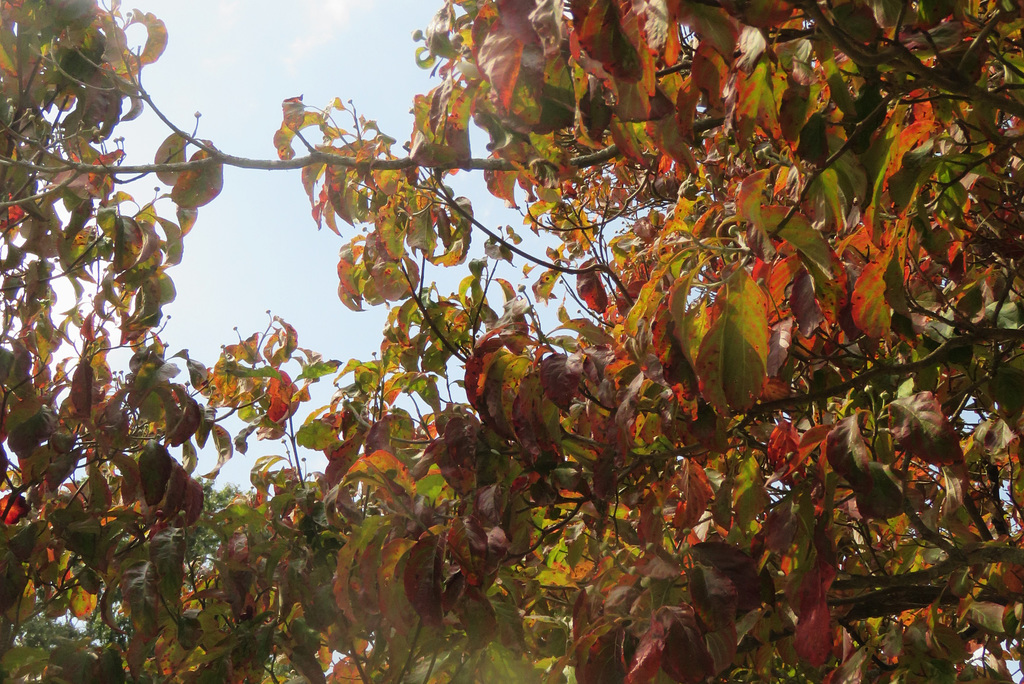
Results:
<point x="779" y="438"/>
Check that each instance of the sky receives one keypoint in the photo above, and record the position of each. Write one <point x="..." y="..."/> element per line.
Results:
<point x="256" y="248"/>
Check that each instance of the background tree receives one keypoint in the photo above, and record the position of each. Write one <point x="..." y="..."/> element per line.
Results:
<point x="779" y="438"/>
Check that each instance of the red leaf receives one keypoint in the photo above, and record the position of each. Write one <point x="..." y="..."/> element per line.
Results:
<point x="750" y="197"/>
<point x="714" y="596"/>
<point x="281" y="392"/>
<point x="177" y="486"/>
<point x="813" y="640"/>
<point x="920" y="428"/>
<point x="591" y="289"/>
<point x="422" y="578"/>
<point x="186" y="425"/>
<point x="194" y="497"/>
<point x="457" y="456"/>
<point x="499" y="58"/>
<point x="783" y="441"/>
<point x="13" y="509"/>
<point x="686" y="657"/>
<point x="647" y="658"/>
<point x="694" y="494"/>
<point x="658" y="565"/>
<point x="560" y="377"/>
<point x="871" y="312"/>
<point x="599" y="29"/>
<point x="81" y="389"/>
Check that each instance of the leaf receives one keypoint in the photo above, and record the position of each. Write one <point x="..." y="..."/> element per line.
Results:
<point x="714" y="596"/>
<point x="648" y="654"/>
<point x="880" y="496"/>
<point x="685" y="657"/>
<point x="187" y="424"/>
<point x="1008" y="390"/>
<point x="735" y="565"/>
<point x="731" y="364"/>
<point x="847" y="452"/>
<point x="315" y="371"/>
<point x="197" y="187"/>
<point x="560" y="377"/>
<point x="139" y="588"/>
<point x="778" y="346"/>
<point x="751" y="45"/>
<point x="316" y="435"/>
<point x="591" y="289"/>
<point x="499" y="58"/>
<point x="754" y="103"/>
<point x="598" y="26"/>
<point x="988" y="616"/>
<point x="694" y="494"/>
<point x="156" y="36"/>
<point x="155" y="465"/>
<point x="658" y="565"/>
<point x="171" y="151"/>
<point x="193" y="506"/>
<point x="25" y="436"/>
<point x="814" y="638"/>
<point x="382" y="470"/>
<point x="81" y="389"/>
<point x="814" y="250"/>
<point x="13" y="509"/>
<point x="871" y="311"/>
<point x="167" y="555"/>
<point x="713" y="25"/>
<point x="920" y="428"/>
<point x="750" y="197"/>
<point x="423" y="577"/>
<point x="83" y="604"/>
<point x="222" y="443"/>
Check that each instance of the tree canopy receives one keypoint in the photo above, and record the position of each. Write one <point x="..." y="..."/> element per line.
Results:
<point x="753" y="411"/>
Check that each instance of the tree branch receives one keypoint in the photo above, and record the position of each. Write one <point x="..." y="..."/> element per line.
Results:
<point x="937" y="356"/>
<point x="334" y="158"/>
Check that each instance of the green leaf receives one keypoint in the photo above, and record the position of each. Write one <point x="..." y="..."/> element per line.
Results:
<point x="316" y="435"/>
<point x="880" y="496"/>
<point x="317" y="370"/>
<point x="197" y="187"/>
<point x="731" y="364"/>
<point x="1008" y="390"/>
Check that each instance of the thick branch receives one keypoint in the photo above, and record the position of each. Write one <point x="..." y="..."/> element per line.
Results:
<point x="330" y="159"/>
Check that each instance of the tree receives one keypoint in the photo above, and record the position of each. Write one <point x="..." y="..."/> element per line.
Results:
<point x="779" y="438"/>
